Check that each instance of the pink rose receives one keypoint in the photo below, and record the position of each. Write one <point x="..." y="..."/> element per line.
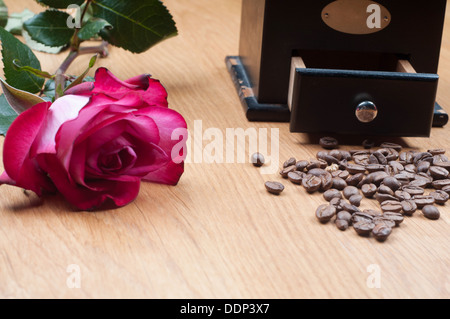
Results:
<point x="97" y="142"/>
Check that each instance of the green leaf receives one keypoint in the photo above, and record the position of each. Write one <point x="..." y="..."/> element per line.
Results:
<point x="13" y="49"/>
<point x="16" y="20"/>
<point x="79" y="79"/>
<point x="60" y="4"/>
<point x="39" y="73"/>
<point x="19" y="100"/>
<point x="3" y="14"/>
<point x="137" y="24"/>
<point x="7" y="115"/>
<point x="34" y="45"/>
<point x="50" y="28"/>
<point x="92" y="28"/>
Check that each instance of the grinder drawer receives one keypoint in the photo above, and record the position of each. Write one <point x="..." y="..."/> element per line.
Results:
<point x="396" y="102"/>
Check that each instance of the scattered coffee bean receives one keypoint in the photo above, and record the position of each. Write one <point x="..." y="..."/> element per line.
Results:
<point x="372" y="212"/>
<point x="446" y="189"/>
<point x="258" y="159"/>
<point x="361" y="216"/>
<point x="438" y="159"/>
<point x="440" y="197"/>
<point x="413" y="190"/>
<point x="381" y="232"/>
<point x="431" y="212"/>
<point x="438" y="172"/>
<point x="311" y="183"/>
<point x="421" y="183"/>
<point x="369" y="190"/>
<point x="301" y="165"/>
<point x="344" y="215"/>
<point x="285" y="171"/>
<point x="375" y="168"/>
<point x="341" y="224"/>
<point x="332" y="193"/>
<point x="354" y="180"/>
<point x="325" y="212"/>
<point x="392" y="183"/>
<point x="441" y="183"/>
<point x="349" y="207"/>
<point x="274" y="187"/>
<point x="397" y="218"/>
<point x="409" y="207"/>
<point x="423" y="167"/>
<point x="296" y="177"/>
<point x="423" y="200"/>
<point x="364" y="228"/>
<point x="339" y="183"/>
<point x="402" y="195"/>
<point x="384" y="221"/>
<point x="289" y="162"/>
<point x="394" y="146"/>
<point x="385" y="197"/>
<point x="355" y="168"/>
<point x="329" y="142"/>
<point x="349" y="191"/>
<point x="377" y="158"/>
<point x="383" y="189"/>
<point x="355" y="200"/>
<point x="391" y="206"/>
<point x="436" y="151"/>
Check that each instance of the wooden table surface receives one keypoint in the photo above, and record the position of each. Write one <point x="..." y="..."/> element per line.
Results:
<point x="218" y="234"/>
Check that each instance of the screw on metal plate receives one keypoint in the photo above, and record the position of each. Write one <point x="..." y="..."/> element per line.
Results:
<point x="366" y="111"/>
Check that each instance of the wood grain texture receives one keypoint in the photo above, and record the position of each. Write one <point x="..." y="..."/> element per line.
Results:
<point x="218" y="234"/>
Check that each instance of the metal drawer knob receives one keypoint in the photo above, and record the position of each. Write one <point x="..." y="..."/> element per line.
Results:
<point x="366" y="111"/>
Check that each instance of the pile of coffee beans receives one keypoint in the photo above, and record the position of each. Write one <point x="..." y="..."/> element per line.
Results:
<point x="402" y="182"/>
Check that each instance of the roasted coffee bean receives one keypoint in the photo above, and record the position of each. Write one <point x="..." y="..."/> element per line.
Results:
<point x="325" y="212"/>
<point x="403" y="178"/>
<point x="332" y="193"/>
<point x="368" y="144"/>
<point x="343" y="165"/>
<point x="258" y="159"/>
<point x="421" y="183"/>
<point x="355" y="200"/>
<point x="323" y="155"/>
<point x="381" y="232"/>
<point x="409" y="207"/>
<point x="437" y="159"/>
<point x="391" y="206"/>
<point x="344" y="175"/>
<point x="397" y="218"/>
<point x="377" y="177"/>
<point x="438" y="172"/>
<point x="384" y="221"/>
<point x="372" y="212"/>
<point x="296" y="177"/>
<point x="390" y="154"/>
<point x="354" y="180"/>
<point x="289" y="162"/>
<point x="364" y="181"/>
<point x="341" y="224"/>
<point x="361" y="159"/>
<point x="369" y="190"/>
<point x="431" y="212"/>
<point x="392" y="183"/>
<point x="394" y="146"/>
<point x="349" y="207"/>
<point x="402" y="195"/>
<point x="317" y="172"/>
<point x="445" y="165"/>
<point x="336" y="154"/>
<point x="301" y="165"/>
<point x="425" y="177"/>
<point x="274" y="187"/>
<point x="375" y="168"/>
<point x="285" y="171"/>
<point x="440" y="197"/>
<point x="423" y="167"/>
<point x="377" y="158"/>
<point x="384" y="197"/>
<point x="344" y="215"/>
<point x="355" y="169"/>
<point x="359" y="152"/>
<point x="349" y="191"/>
<point x="446" y="189"/>
<point x="337" y="203"/>
<point x="361" y="217"/>
<point x="364" y="228"/>
<point x="436" y="151"/>
<point x="326" y="182"/>
<point x="406" y="158"/>
<point x="422" y="156"/>
<point x="423" y="200"/>
<point x="339" y="183"/>
<point x="383" y="189"/>
<point x="441" y="183"/>
<point x="329" y="142"/>
<point x="345" y="155"/>
<point x="332" y="168"/>
<point x="311" y="183"/>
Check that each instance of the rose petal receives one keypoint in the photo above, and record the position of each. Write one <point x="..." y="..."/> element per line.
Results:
<point x="168" y="174"/>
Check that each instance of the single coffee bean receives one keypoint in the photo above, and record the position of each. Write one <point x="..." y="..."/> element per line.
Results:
<point x="274" y="187"/>
<point x="397" y="218"/>
<point x="344" y="175"/>
<point x="289" y="162"/>
<point x="384" y="221"/>
<point x="438" y="172"/>
<point x="422" y="156"/>
<point x="377" y="158"/>
<point x="329" y="142"/>
<point x="372" y="212"/>
<point x="285" y="171"/>
<point x="349" y="191"/>
<point x="369" y="190"/>
<point x="446" y="189"/>
<point x="343" y="165"/>
<point x="421" y="183"/>
<point x="316" y="164"/>
<point x="377" y="177"/>
<point x="406" y="158"/>
<point x="336" y="154"/>
<point x="301" y="165"/>
<point x="391" y="206"/>
<point x="311" y="183"/>
<point x="349" y="207"/>
<point x="296" y="177"/>
<point x="317" y="172"/>
<point x="402" y="195"/>
<point x="445" y="165"/>
<point x="355" y="200"/>
<point x="375" y="168"/>
<point x="392" y="183"/>
<point x="436" y="151"/>
<point x="344" y="215"/>
<point x="361" y="159"/>
<point x="425" y="177"/>
<point x="368" y="144"/>
<point x="326" y="182"/>
<point x="384" y="197"/>
<point x="431" y="212"/>
<point x="355" y="168"/>
<point x="440" y="197"/>
<point x="325" y="212"/>
<point x="359" y="152"/>
<point x="360" y="216"/>
<point x="345" y="155"/>
<point x="364" y="228"/>
<point x="339" y="183"/>
<point x="381" y="232"/>
<point x="396" y="167"/>
<point x="403" y="178"/>
<point x="409" y="207"/>
<point x="383" y="189"/>
<point x="441" y="183"/>
<point x="413" y="190"/>
<point x="337" y="203"/>
<point x="354" y="180"/>
<point x="423" y="200"/>
<point x="258" y="159"/>
<point x="341" y="224"/>
<point x="330" y="159"/>
<point x="332" y="193"/>
<point x="394" y="146"/>
<point x="423" y="167"/>
<point x="441" y="158"/>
